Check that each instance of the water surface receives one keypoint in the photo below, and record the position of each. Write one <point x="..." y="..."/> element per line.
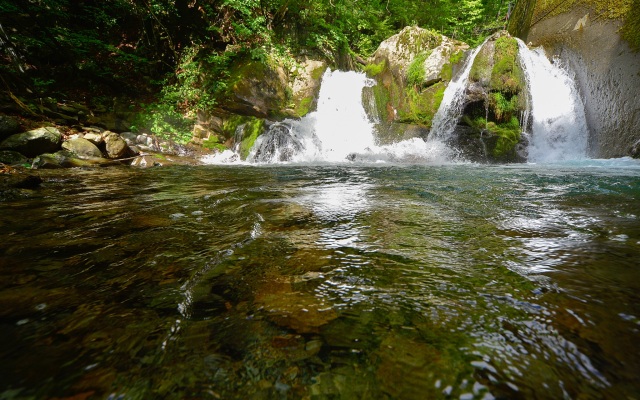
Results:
<point x="345" y="281"/>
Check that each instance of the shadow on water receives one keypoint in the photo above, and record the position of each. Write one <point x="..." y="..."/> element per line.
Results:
<point x="322" y="282"/>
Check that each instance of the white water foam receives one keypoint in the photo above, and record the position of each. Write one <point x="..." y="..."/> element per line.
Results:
<point x="559" y="129"/>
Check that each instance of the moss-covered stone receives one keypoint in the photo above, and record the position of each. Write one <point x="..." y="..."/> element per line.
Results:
<point x="506" y="75"/>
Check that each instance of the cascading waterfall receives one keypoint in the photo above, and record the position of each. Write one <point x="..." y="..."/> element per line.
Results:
<point x="558" y="123"/>
<point x="339" y="127"/>
<point x="450" y="110"/>
<point x="338" y="131"/>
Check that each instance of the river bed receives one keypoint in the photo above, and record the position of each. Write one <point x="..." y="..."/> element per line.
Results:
<point x="323" y="281"/>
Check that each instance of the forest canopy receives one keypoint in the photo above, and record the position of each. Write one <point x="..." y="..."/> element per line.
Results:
<point x="182" y="50"/>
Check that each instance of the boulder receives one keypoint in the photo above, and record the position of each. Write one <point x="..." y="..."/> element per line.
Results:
<point x="94" y="137"/>
<point x="306" y="87"/>
<point x="82" y="148"/>
<point x="116" y="147"/>
<point x="8" y="126"/>
<point x="398" y="51"/>
<point x="412" y="69"/>
<point x="257" y="89"/>
<point x="12" y="157"/>
<point x="65" y="159"/>
<point x="34" y="142"/>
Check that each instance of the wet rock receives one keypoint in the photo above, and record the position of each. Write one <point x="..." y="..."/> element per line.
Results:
<point x="8" y="126"/>
<point x="34" y="142"/>
<point x="116" y="147"/>
<point x="278" y="144"/>
<point x="82" y="148"/>
<point x="66" y="159"/>
<point x="12" y="157"/>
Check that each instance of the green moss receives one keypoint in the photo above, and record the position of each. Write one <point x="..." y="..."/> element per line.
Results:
<point x="508" y="137"/>
<point x="252" y="130"/>
<point x="506" y="74"/>
<point x="481" y="64"/>
<point x="631" y="29"/>
<point x="303" y="107"/>
<point x="252" y="127"/>
<point x="374" y="69"/>
<point x="382" y="98"/>
<point x="503" y="107"/>
<point x="421" y="105"/>
<point x="213" y="143"/>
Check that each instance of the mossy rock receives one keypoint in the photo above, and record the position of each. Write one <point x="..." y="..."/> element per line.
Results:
<point x="244" y="130"/>
<point x="506" y="75"/>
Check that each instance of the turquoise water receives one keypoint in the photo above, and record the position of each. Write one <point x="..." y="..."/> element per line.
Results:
<point x="323" y="282"/>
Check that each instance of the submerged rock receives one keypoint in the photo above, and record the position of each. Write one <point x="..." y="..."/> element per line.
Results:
<point x="34" y="142"/>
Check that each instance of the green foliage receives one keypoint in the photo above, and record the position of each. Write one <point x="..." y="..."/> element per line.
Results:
<point x="508" y="137"/>
<point x="374" y="69"/>
<point x="415" y="72"/>
<point x="165" y="121"/>
<point x="213" y="143"/>
<point x="504" y="108"/>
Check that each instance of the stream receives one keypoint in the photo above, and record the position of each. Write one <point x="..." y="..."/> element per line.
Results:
<point x="323" y="281"/>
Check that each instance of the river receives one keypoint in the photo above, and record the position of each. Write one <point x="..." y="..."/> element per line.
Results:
<point x="323" y="281"/>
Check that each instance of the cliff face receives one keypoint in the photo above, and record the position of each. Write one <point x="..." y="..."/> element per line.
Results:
<point x="607" y="71"/>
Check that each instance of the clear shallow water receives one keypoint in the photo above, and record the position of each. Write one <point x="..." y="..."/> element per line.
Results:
<point x="324" y="282"/>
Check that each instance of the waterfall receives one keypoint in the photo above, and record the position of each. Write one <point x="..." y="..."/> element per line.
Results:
<point x="558" y="123"/>
<point x="450" y="110"/>
<point x="339" y="127"/>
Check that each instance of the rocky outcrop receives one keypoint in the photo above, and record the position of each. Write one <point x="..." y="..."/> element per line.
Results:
<point x="495" y="100"/>
<point x="412" y="69"/>
<point x="257" y="89"/>
<point x="34" y="142"/>
<point x="607" y="69"/>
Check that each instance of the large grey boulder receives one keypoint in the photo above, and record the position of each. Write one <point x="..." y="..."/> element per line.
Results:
<point x="34" y="142"/>
<point x="82" y="148"/>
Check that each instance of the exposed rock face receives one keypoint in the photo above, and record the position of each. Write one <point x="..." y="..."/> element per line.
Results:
<point x="607" y="73"/>
<point x="34" y="142"/>
<point x="412" y="70"/>
<point x="82" y="148"/>
<point x="258" y="90"/>
<point x="306" y="86"/>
